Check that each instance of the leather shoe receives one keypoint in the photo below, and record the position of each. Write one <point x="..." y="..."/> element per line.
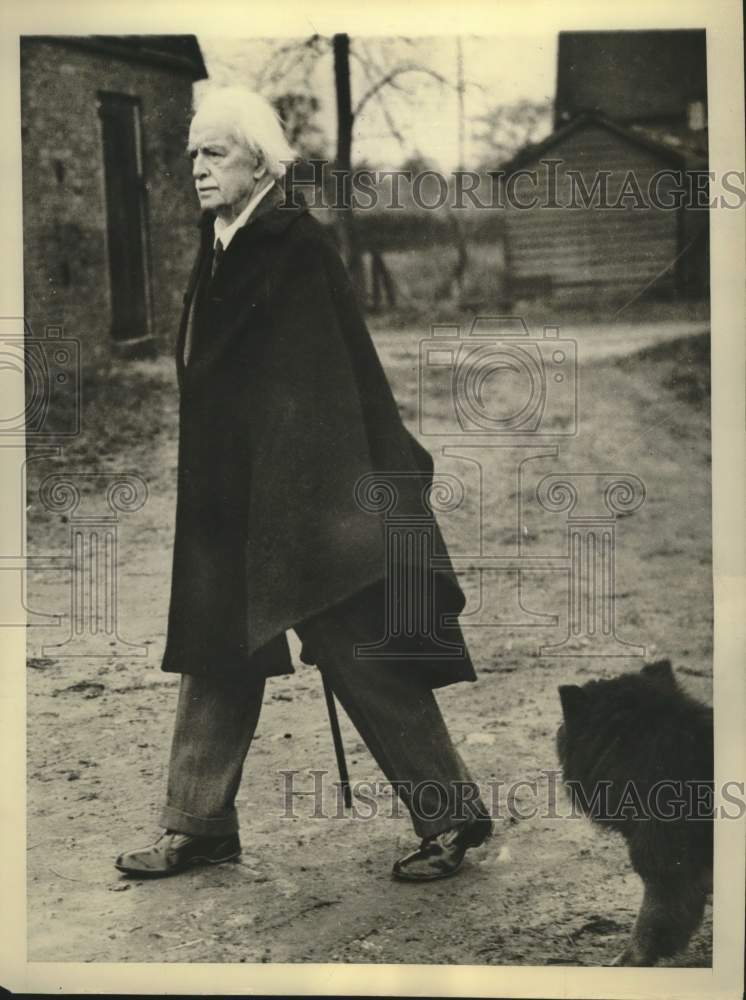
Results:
<point x="175" y="852"/>
<point x="443" y="854"/>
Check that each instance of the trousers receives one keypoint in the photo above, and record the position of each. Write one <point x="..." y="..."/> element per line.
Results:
<point x="392" y="707"/>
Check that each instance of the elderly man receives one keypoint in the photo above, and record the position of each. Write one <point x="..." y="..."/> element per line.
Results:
<point x="286" y="419"/>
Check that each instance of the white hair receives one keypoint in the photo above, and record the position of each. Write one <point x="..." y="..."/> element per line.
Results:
<point x="254" y="123"/>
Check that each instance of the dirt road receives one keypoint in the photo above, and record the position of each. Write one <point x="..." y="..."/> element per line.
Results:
<point x="547" y="890"/>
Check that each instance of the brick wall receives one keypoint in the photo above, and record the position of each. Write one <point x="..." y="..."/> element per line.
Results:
<point x="66" y="273"/>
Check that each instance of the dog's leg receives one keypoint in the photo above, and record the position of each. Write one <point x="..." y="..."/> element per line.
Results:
<point x="670" y="913"/>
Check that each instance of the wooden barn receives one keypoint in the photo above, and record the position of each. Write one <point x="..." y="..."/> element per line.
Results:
<point x="109" y="210"/>
<point x="631" y="132"/>
<point x="587" y="210"/>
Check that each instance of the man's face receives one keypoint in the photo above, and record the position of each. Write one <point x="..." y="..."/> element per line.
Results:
<point x="225" y="171"/>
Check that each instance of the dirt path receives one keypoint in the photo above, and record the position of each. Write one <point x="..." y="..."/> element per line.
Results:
<point x="546" y="891"/>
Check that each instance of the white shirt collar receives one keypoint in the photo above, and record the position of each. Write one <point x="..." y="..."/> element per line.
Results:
<point x="225" y="231"/>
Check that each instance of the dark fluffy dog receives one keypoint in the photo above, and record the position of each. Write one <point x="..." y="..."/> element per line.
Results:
<point x="637" y="757"/>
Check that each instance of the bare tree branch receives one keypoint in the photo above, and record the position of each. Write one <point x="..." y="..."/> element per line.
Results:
<point x="392" y="75"/>
<point x="390" y="121"/>
<point x="263" y="75"/>
<point x="300" y="53"/>
<point x="369" y="65"/>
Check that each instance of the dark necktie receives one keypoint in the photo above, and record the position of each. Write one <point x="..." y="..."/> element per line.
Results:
<point x="198" y="302"/>
<point x="216" y="257"/>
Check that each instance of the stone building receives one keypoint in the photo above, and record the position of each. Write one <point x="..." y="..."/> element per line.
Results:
<point x="109" y="211"/>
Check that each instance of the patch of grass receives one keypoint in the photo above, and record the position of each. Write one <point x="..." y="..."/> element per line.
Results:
<point x="426" y="290"/>
<point x="684" y="366"/>
<point x="122" y="412"/>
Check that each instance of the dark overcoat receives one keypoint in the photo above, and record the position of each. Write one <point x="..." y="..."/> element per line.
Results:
<point x="284" y="409"/>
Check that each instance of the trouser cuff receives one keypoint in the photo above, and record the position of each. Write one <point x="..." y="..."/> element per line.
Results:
<point x="426" y="826"/>
<point x="198" y="826"/>
<point x="432" y="827"/>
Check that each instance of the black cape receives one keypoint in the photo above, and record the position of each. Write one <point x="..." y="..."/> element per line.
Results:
<point x="284" y="411"/>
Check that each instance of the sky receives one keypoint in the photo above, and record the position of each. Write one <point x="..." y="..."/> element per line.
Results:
<point x="497" y="70"/>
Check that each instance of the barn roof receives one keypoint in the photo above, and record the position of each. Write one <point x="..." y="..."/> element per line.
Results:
<point x="630" y="75"/>
<point x="668" y="148"/>
<point x="692" y="145"/>
<point x="180" y="53"/>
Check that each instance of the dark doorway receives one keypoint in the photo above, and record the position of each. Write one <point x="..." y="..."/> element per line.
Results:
<point x="125" y="215"/>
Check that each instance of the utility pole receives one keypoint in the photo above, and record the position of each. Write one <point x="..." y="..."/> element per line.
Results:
<point x="462" y="259"/>
<point x="460" y="94"/>
<point x="345" y="123"/>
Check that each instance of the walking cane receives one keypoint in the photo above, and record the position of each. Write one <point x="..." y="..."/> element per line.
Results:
<point x="344" y="777"/>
